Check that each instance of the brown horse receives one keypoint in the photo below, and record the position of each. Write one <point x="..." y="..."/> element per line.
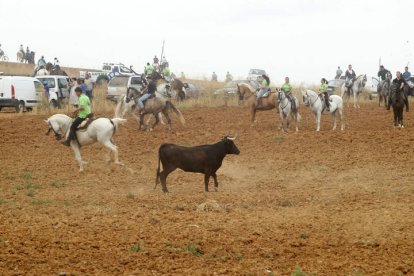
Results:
<point x="55" y="70"/>
<point x="247" y="93"/>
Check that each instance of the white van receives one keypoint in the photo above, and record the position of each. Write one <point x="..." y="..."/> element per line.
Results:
<point x="58" y="88"/>
<point x="19" y="92"/>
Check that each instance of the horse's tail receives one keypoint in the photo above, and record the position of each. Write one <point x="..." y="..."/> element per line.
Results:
<point x="176" y="111"/>
<point x="299" y="117"/>
<point x="118" y="113"/>
<point x="157" y="176"/>
<point x="117" y="122"/>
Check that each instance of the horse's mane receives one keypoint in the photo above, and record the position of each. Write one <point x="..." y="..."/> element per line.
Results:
<point x="247" y="86"/>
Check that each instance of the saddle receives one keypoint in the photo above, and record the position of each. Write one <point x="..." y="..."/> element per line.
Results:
<point x="267" y="94"/>
<point x="84" y="125"/>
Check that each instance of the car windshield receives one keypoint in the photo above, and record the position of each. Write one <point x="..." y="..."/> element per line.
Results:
<point x="257" y="72"/>
<point x="50" y="82"/>
<point x="118" y="82"/>
<point x="335" y="83"/>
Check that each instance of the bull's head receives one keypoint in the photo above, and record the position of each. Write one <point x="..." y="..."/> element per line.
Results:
<point x="230" y="146"/>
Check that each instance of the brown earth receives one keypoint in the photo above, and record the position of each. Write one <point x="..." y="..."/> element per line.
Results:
<point x="333" y="203"/>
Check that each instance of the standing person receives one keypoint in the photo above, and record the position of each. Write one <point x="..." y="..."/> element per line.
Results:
<point x="338" y="73"/>
<point x="89" y="85"/>
<point x="214" y="77"/>
<point x="264" y="87"/>
<point x="46" y="88"/>
<point x="287" y="88"/>
<point x="73" y="98"/>
<point x="1" y="51"/>
<point x="81" y="113"/>
<point x="56" y="62"/>
<point x="323" y="89"/>
<point x="406" y="74"/>
<point x="229" y="77"/>
<point x="400" y="82"/>
<point x="148" y="91"/>
<point x="182" y="76"/>
<point x="156" y="60"/>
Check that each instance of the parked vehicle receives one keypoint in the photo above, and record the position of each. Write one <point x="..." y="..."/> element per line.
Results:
<point x="109" y="70"/>
<point x="58" y="88"/>
<point x="19" y="92"/>
<point x="119" y="85"/>
<point x="334" y="86"/>
<point x="231" y="87"/>
<point x="256" y="74"/>
<point x="191" y="90"/>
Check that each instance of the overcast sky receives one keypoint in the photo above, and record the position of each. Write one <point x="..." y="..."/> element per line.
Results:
<point x="305" y="40"/>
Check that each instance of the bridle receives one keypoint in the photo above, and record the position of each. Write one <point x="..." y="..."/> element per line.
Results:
<point x="58" y="136"/>
<point x="308" y="100"/>
<point x="279" y="98"/>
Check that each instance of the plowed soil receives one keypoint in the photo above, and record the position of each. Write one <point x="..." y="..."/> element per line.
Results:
<point x="331" y="203"/>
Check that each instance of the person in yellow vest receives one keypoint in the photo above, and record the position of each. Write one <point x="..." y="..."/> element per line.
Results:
<point x="323" y="89"/>
<point x="264" y="88"/>
<point x="166" y="73"/>
<point x="83" y="112"/>
<point x="149" y="69"/>
<point x="287" y="88"/>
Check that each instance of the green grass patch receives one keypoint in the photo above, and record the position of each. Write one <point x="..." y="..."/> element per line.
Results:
<point x="303" y="236"/>
<point x="136" y="247"/>
<point x="130" y="195"/>
<point x="3" y="201"/>
<point x="30" y="193"/>
<point x="279" y="138"/>
<point x="40" y="201"/>
<point x="26" y="175"/>
<point x="58" y="183"/>
<point x="194" y="249"/>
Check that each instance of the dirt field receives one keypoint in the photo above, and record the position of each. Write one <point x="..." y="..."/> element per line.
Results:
<point x="331" y="203"/>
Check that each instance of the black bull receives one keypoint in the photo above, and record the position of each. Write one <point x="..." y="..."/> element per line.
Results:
<point x="206" y="159"/>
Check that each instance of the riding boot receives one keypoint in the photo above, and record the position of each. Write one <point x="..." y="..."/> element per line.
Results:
<point x="67" y="141"/>
<point x="389" y="102"/>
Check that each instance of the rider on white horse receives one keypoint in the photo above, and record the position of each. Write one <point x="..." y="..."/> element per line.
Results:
<point x="264" y="88"/>
<point x="382" y="74"/>
<point x="323" y="90"/>
<point x="349" y="77"/>
<point x="40" y="64"/>
<point x="287" y="88"/>
<point x="83" y="112"/>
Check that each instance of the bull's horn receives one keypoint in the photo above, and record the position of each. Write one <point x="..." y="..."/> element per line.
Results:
<point x="231" y="138"/>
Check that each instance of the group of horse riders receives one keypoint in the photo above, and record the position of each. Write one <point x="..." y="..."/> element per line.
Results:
<point x="41" y="64"/>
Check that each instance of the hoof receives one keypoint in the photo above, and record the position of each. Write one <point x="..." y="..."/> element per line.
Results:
<point x="120" y="163"/>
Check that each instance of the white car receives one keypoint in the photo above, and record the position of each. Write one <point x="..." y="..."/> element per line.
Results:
<point x="19" y="92"/>
<point x="119" y="86"/>
<point x="58" y="88"/>
<point x="256" y="75"/>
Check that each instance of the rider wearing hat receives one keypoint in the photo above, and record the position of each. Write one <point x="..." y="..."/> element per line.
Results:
<point x="323" y="89"/>
<point x="82" y="112"/>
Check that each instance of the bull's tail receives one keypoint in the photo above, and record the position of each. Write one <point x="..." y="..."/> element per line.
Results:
<point x="118" y="109"/>
<point x="157" y="176"/>
<point x="176" y="111"/>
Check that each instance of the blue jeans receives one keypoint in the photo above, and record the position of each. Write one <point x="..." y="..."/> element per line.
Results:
<point x="262" y="92"/>
<point x="142" y="99"/>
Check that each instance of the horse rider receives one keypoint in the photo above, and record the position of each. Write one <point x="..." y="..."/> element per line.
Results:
<point x="287" y="88"/>
<point x="149" y="69"/>
<point x="21" y="49"/>
<point x="229" y="77"/>
<point x="167" y="73"/>
<point x="82" y="112"/>
<point x="55" y="62"/>
<point x="148" y="91"/>
<point x="263" y="89"/>
<point x="27" y="50"/>
<point x="40" y="64"/>
<point x="382" y="74"/>
<point x="338" y="73"/>
<point x="406" y="76"/>
<point x="323" y="90"/>
<point x="400" y="82"/>
<point x="1" y="51"/>
<point x="349" y="76"/>
<point x="182" y="75"/>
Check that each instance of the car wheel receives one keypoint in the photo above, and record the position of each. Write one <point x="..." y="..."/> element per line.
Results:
<point x="20" y="107"/>
<point x="29" y="109"/>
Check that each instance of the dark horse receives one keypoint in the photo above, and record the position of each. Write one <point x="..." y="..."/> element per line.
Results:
<point x="55" y="70"/>
<point x="397" y="101"/>
<point x="30" y="57"/>
<point x="176" y="85"/>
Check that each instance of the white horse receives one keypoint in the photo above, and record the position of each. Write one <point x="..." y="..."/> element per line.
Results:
<point x="355" y="89"/>
<point x="100" y="130"/>
<point x="21" y="56"/>
<point x="286" y="112"/>
<point x="317" y="106"/>
<point x="42" y="72"/>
